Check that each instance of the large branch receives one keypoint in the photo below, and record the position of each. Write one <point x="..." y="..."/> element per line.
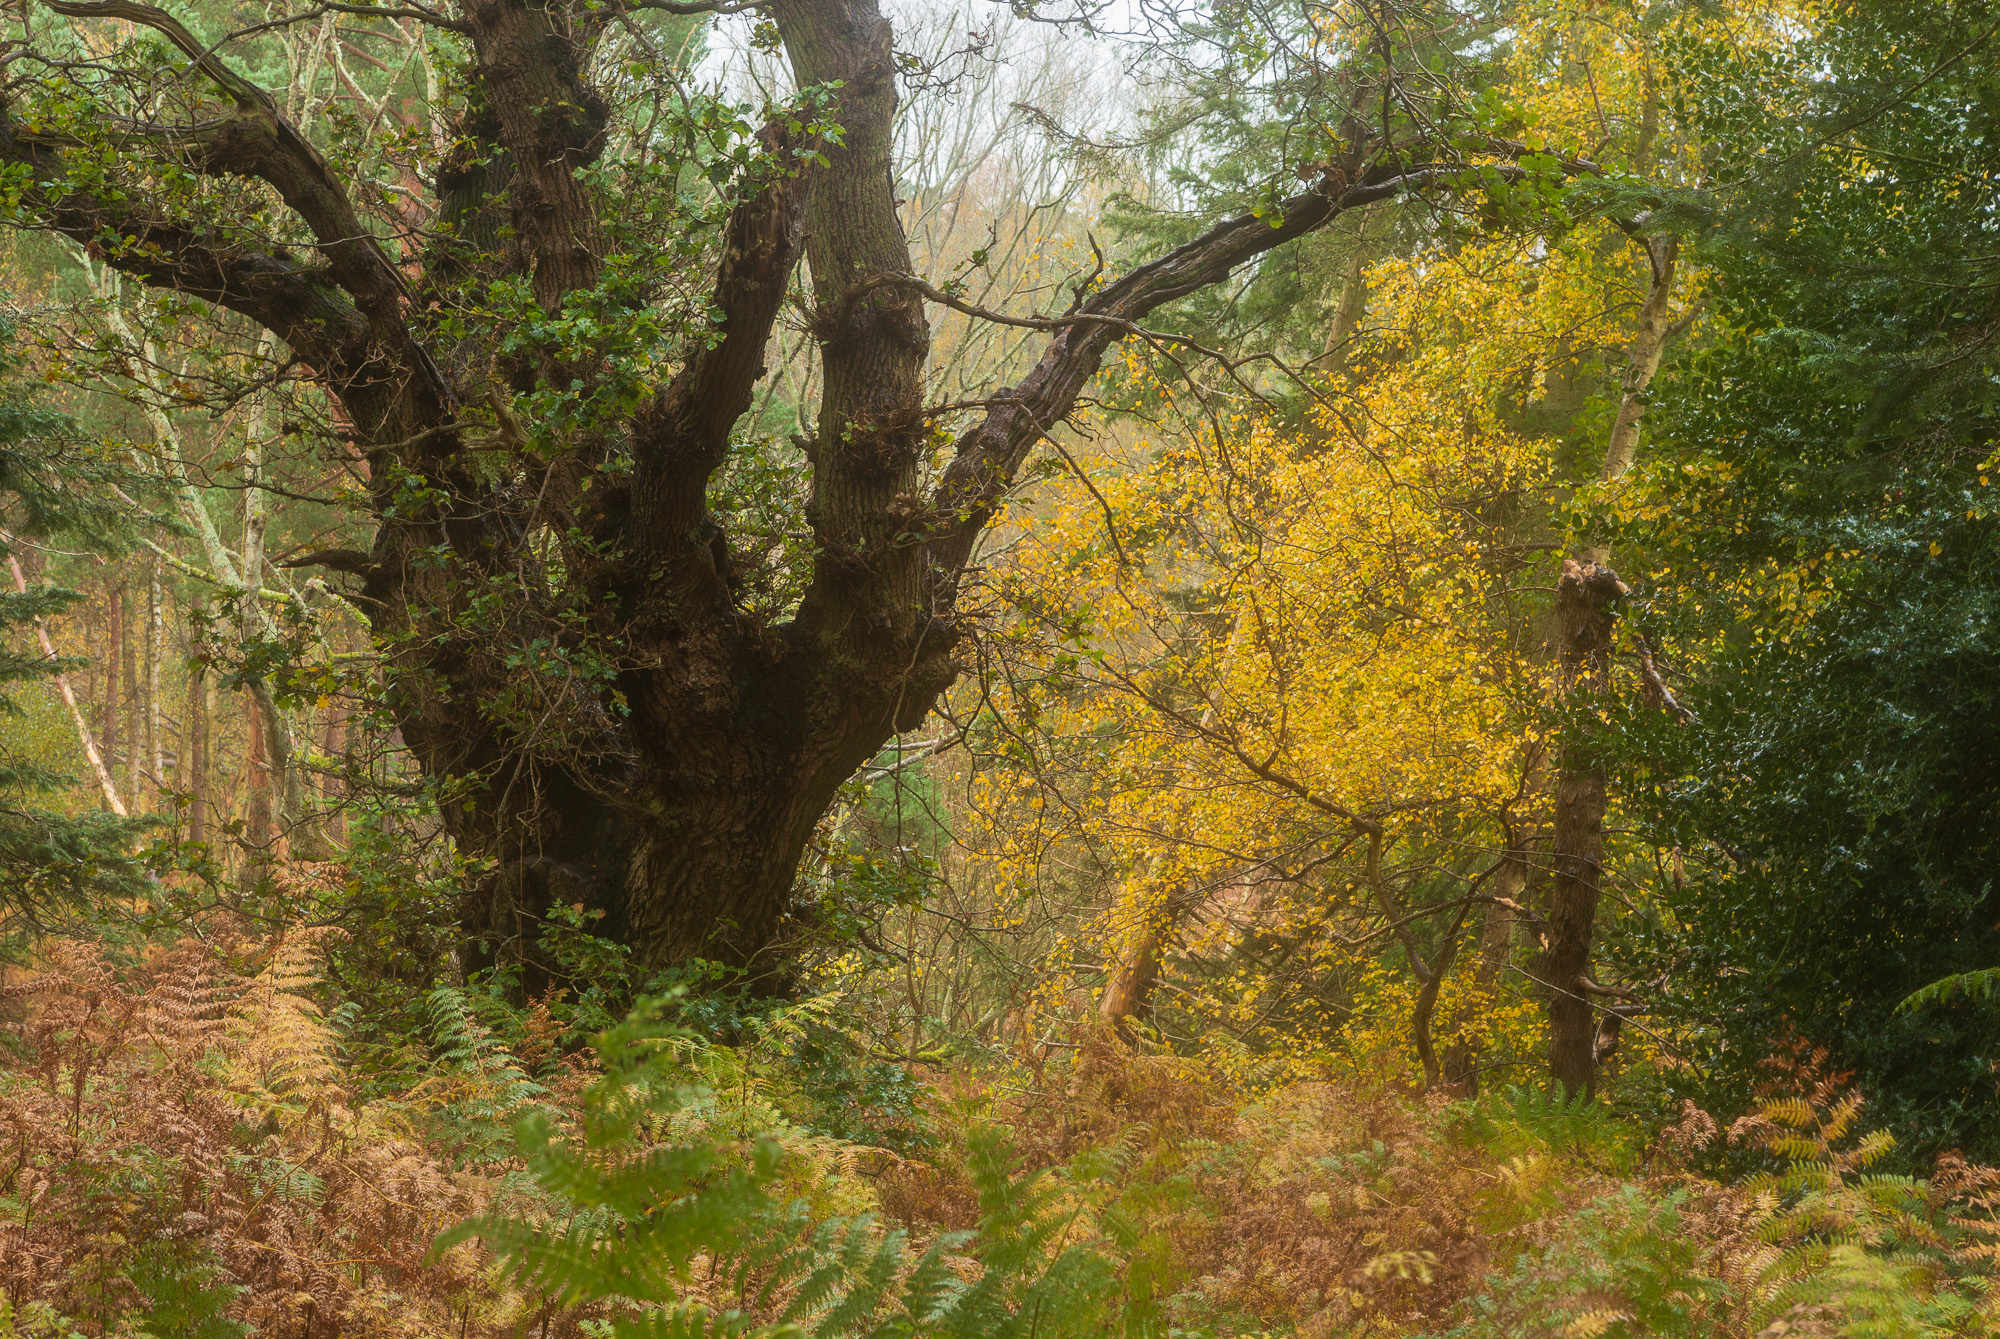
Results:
<point x="260" y="143"/>
<point x="988" y="456"/>
<point x="549" y="122"/>
<point x="394" y="389"/>
<point x="293" y="300"/>
<point x="864" y="596"/>
<point x="682" y="435"/>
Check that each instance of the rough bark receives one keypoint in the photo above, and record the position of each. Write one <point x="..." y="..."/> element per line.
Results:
<point x="1586" y="603"/>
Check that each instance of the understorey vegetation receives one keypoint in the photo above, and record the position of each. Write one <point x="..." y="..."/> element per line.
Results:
<point x="840" y="668"/>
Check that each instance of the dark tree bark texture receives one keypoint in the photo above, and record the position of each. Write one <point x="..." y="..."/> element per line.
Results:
<point x="678" y="796"/>
<point x="1586" y="609"/>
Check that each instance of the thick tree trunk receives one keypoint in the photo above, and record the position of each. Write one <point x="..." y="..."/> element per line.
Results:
<point x="1586" y="600"/>
<point x="700" y="869"/>
<point x="618" y="729"/>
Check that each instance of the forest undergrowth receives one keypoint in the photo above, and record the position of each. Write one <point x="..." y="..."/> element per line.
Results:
<point x="190" y="1144"/>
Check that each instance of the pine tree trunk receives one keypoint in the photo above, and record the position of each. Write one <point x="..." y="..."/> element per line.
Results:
<point x="1586" y="599"/>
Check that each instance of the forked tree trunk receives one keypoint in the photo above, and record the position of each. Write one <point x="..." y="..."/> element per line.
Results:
<point x="1586" y="600"/>
<point x="618" y="728"/>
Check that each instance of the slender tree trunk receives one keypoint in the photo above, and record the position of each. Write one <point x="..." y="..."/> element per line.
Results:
<point x="114" y="659"/>
<point x="192" y="764"/>
<point x="1585" y="596"/>
<point x="1134" y="975"/>
<point x="1142" y="952"/>
<point x="1496" y="948"/>
<point x="241" y="572"/>
<point x="257" y="777"/>
<point x="333" y="826"/>
<point x="68" y="695"/>
<point x="1651" y="334"/>
<point x="1433" y="977"/>
<point x="1353" y="303"/>
<point x="1496" y="936"/>
<point x="155" y="649"/>
<point x="1586" y="600"/>
<point x="135" y="715"/>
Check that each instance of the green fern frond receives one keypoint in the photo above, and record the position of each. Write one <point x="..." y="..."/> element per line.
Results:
<point x="1973" y="987"/>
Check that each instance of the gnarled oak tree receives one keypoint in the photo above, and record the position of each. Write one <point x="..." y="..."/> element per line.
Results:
<point x="565" y="641"/>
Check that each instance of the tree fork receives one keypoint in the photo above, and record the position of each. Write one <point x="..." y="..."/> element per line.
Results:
<point x="680" y="803"/>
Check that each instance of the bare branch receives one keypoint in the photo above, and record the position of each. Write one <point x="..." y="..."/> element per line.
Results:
<point x="989" y="455"/>
<point x="698" y="6"/>
<point x="338" y="560"/>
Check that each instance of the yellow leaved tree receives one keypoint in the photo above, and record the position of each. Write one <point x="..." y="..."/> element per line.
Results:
<point x="1272" y="701"/>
